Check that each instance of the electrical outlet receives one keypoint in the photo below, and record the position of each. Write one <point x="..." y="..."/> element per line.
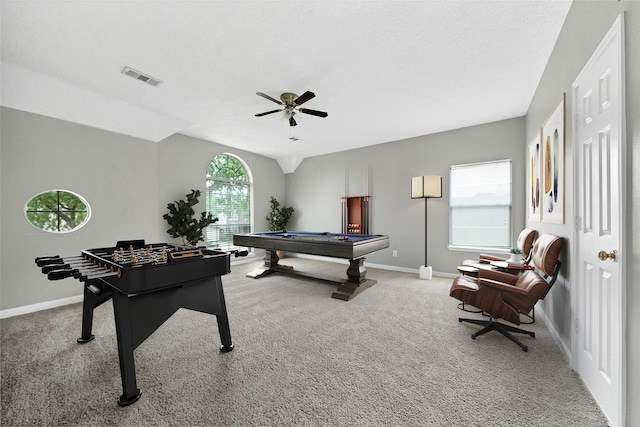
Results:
<point x="395" y="253"/>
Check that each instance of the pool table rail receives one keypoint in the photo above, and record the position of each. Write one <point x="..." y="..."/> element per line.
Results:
<point x="355" y="247"/>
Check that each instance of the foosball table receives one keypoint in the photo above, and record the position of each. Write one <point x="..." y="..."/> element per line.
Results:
<point x="147" y="283"/>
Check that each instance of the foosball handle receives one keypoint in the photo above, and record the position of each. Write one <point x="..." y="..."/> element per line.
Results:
<point x="46" y="257"/>
<point x="60" y="274"/>
<point x="42" y="261"/>
<point x="50" y="267"/>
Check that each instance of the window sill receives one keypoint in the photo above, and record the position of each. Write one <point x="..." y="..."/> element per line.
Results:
<point x="479" y="249"/>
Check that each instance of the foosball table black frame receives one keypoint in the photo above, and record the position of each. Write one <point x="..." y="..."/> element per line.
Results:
<point x="142" y="306"/>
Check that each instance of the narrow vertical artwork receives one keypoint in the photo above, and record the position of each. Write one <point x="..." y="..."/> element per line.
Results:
<point x="533" y="178"/>
<point x="553" y="142"/>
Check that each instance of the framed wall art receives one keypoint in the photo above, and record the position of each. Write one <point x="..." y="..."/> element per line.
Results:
<point x="533" y="178"/>
<point x="552" y="163"/>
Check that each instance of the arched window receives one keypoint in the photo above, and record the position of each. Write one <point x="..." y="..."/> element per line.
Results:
<point x="228" y="198"/>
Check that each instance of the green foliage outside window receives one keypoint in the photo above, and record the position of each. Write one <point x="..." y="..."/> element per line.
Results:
<point x="228" y="186"/>
<point x="229" y="199"/>
<point x="57" y="211"/>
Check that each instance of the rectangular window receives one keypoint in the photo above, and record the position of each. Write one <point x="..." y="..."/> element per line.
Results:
<point x="480" y="205"/>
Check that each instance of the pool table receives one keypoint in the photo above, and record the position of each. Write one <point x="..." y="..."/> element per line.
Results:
<point x="352" y="247"/>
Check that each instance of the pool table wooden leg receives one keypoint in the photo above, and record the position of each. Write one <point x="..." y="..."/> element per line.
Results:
<point x="270" y="265"/>
<point x="348" y="291"/>
<point x="356" y="283"/>
<point x="357" y="272"/>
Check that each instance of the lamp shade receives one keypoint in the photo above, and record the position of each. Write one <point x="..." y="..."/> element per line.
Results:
<point x="426" y="186"/>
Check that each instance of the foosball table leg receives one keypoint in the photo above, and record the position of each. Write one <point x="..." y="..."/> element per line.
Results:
<point x="221" y="316"/>
<point x="94" y="295"/>
<point x="124" y="332"/>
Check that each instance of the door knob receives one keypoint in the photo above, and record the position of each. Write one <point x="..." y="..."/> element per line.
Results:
<point x="603" y="255"/>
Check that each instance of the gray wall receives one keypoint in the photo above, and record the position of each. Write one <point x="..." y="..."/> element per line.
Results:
<point x="127" y="182"/>
<point x="38" y="153"/>
<point x="584" y="28"/>
<point x="315" y="188"/>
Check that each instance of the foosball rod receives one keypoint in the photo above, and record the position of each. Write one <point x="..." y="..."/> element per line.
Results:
<point x="136" y="252"/>
<point x="86" y="277"/>
<point x="138" y="263"/>
<point x="79" y="274"/>
<point x="139" y="260"/>
<point x="50" y="267"/>
<point x="80" y="260"/>
<point x="145" y="250"/>
<point x="74" y="271"/>
<point x="56" y="259"/>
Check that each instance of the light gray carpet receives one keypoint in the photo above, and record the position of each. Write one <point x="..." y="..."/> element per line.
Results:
<point x="396" y="355"/>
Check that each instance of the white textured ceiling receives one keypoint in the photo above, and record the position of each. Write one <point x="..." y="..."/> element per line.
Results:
<point x="383" y="70"/>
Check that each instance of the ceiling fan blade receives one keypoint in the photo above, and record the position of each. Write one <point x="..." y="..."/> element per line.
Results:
<point x="304" y="98"/>
<point x="268" y="112"/>
<point x="313" y="112"/>
<point x="268" y="97"/>
<point x="292" y="121"/>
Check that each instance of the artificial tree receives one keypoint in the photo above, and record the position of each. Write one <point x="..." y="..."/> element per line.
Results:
<point x="278" y="217"/>
<point x="183" y="223"/>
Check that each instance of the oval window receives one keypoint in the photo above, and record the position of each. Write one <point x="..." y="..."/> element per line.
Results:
<point x="57" y="211"/>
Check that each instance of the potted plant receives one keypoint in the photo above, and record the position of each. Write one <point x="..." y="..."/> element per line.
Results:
<point x="183" y="223"/>
<point x="516" y="256"/>
<point x="278" y="217"/>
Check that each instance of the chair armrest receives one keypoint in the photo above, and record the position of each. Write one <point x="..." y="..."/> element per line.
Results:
<point x="489" y="258"/>
<point x="498" y="276"/>
<point x="503" y="286"/>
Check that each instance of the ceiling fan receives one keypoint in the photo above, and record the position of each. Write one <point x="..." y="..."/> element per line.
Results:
<point x="291" y="105"/>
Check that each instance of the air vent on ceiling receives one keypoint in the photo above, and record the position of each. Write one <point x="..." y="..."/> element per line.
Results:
<point x="141" y="76"/>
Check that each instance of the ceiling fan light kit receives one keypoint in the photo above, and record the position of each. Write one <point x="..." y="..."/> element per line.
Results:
<point x="291" y="103"/>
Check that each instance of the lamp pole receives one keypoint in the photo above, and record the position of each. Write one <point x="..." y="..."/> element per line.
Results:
<point x="426" y="241"/>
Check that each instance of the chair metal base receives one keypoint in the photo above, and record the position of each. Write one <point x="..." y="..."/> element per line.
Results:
<point x="494" y="325"/>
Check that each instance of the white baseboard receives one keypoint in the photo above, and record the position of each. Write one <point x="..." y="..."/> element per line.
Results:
<point x="380" y="266"/>
<point x="556" y="336"/>
<point x="11" y="312"/>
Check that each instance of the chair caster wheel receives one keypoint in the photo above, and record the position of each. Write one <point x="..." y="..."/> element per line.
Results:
<point x="473" y="337"/>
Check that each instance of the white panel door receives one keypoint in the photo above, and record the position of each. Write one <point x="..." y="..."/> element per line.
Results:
<point x="598" y="286"/>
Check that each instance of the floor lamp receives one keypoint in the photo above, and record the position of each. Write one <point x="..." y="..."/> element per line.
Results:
<point x="426" y="187"/>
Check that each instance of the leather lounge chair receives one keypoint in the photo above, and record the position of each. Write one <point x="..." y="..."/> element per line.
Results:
<point x="505" y="296"/>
